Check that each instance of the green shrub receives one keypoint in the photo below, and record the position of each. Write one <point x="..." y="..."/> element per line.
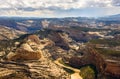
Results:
<point x="109" y="42"/>
<point x="61" y="61"/>
<point x="108" y="52"/>
<point x="87" y="73"/>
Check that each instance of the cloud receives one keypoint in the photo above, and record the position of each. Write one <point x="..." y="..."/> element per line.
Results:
<point x="99" y="3"/>
<point x="63" y="4"/>
<point x="116" y="2"/>
<point x="31" y="7"/>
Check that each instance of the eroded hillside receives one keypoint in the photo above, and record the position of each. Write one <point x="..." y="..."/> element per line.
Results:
<point x="32" y="56"/>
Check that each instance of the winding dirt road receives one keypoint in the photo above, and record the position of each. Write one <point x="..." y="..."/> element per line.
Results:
<point x="73" y="76"/>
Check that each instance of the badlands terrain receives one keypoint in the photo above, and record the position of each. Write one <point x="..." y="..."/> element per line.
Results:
<point x="68" y="48"/>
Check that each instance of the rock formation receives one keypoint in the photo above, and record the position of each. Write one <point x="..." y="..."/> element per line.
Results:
<point x="112" y="70"/>
<point x="32" y="60"/>
<point x="33" y="38"/>
<point x="59" y="40"/>
<point x="92" y="57"/>
<point x="22" y="54"/>
<point x="7" y="33"/>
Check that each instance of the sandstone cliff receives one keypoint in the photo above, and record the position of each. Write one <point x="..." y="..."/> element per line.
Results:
<point x="92" y="57"/>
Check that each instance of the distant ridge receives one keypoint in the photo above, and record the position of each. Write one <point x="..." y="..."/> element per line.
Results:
<point x="111" y="17"/>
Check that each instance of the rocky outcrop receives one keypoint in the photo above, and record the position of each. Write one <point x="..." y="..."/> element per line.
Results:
<point x="46" y="69"/>
<point x="25" y="55"/>
<point x="112" y="70"/>
<point x="13" y="75"/>
<point x="32" y="57"/>
<point x="33" y="38"/>
<point x="12" y="70"/>
<point x="59" y="40"/>
<point x="7" y="33"/>
<point x="92" y="57"/>
<point x="35" y="69"/>
<point x="26" y="52"/>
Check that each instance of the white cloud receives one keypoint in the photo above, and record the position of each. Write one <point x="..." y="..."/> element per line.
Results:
<point x="116" y="2"/>
<point x="31" y="7"/>
<point x="65" y="4"/>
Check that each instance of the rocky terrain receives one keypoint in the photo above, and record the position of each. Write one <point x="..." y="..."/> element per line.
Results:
<point x="21" y="24"/>
<point x="33" y="56"/>
<point x="92" y="58"/>
<point x="7" y="33"/>
<point x="88" y="48"/>
<point x="30" y="60"/>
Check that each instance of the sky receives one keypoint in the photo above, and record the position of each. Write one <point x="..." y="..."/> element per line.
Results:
<point x="59" y="8"/>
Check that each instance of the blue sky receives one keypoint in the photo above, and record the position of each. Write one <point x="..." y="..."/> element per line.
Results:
<point x="59" y="8"/>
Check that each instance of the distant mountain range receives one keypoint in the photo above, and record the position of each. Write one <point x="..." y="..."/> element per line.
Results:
<point x="111" y="18"/>
<point x="32" y="24"/>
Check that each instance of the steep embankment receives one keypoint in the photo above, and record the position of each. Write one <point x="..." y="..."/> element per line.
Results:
<point x="92" y="57"/>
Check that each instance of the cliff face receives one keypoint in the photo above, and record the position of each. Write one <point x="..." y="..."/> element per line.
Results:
<point x="112" y="70"/>
<point x="25" y="51"/>
<point x="97" y="59"/>
<point x="33" y="38"/>
<point x="59" y="40"/>
<point x="26" y="55"/>
<point x="33" y="57"/>
<point x="92" y="57"/>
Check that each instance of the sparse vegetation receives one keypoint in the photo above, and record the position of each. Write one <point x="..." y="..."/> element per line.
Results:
<point x="87" y="72"/>
<point x="108" y="52"/>
<point x="87" y="29"/>
<point x="66" y="69"/>
<point x="110" y="42"/>
<point x="60" y="35"/>
<point x="114" y="32"/>
<point x="5" y="44"/>
<point x="69" y="71"/>
<point x="63" y="63"/>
